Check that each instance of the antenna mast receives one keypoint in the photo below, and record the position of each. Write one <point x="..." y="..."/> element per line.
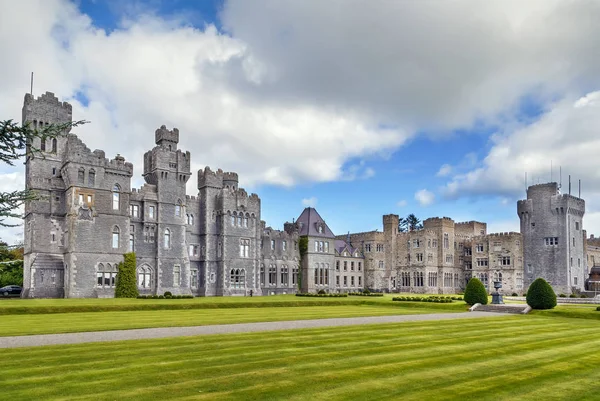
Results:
<point x="31" y="91"/>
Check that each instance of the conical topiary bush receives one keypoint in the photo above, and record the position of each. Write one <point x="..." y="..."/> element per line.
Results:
<point x="540" y="295"/>
<point x="475" y="293"/>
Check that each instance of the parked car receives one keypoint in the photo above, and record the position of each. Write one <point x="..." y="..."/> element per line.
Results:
<point x="10" y="291"/>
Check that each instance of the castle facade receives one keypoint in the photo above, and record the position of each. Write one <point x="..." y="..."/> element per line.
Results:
<point x="87" y="215"/>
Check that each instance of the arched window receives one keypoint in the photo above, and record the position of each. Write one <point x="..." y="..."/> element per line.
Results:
<point x="53" y="145"/>
<point x="167" y="238"/>
<point x="91" y="177"/>
<point x="131" y="242"/>
<point x="178" y="208"/>
<point x="81" y="176"/>
<point x="144" y="276"/>
<point x="115" y="237"/>
<point x="116" y="197"/>
<point x="191" y="220"/>
<point x="237" y="278"/>
<point x="43" y="145"/>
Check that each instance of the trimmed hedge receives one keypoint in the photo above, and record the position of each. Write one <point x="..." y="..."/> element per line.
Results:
<point x="308" y="294"/>
<point x="366" y="294"/>
<point x="165" y="296"/>
<point x="475" y="292"/>
<point x="126" y="278"/>
<point x="540" y="295"/>
<point x="437" y="300"/>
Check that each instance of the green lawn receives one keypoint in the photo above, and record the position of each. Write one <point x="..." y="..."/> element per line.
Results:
<point x="508" y="358"/>
<point x="25" y="324"/>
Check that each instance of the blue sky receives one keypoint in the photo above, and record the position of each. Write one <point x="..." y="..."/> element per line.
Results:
<point x="360" y="109"/>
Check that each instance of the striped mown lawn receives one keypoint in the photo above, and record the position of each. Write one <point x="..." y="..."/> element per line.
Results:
<point x="27" y="324"/>
<point x="507" y="358"/>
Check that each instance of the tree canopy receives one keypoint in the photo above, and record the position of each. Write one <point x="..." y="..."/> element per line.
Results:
<point x="16" y="141"/>
<point x="409" y="223"/>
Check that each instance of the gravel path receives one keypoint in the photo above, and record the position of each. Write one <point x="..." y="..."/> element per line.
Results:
<point x="139" y="334"/>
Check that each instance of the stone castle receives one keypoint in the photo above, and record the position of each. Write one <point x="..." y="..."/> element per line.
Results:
<point x="86" y="216"/>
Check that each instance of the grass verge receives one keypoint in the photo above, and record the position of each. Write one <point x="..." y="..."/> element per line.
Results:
<point x="508" y="358"/>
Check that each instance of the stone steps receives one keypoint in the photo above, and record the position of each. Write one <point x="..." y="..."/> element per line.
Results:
<point x="505" y="308"/>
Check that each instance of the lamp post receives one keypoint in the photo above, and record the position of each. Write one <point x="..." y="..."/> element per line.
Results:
<point x="496" y="297"/>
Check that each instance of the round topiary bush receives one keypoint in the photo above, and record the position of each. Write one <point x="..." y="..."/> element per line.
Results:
<point x="321" y="292"/>
<point x="561" y="295"/>
<point x="168" y="294"/>
<point x="475" y="292"/>
<point x="540" y="295"/>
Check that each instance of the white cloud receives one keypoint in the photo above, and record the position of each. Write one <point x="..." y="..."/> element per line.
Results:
<point x="444" y="170"/>
<point x="309" y="202"/>
<point x="402" y="203"/>
<point x="424" y="197"/>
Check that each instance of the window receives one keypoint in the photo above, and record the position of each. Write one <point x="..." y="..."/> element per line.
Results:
<point x="89" y="199"/>
<point x="272" y="275"/>
<point x="381" y="265"/>
<point x="106" y="276"/>
<point x="115" y="197"/>
<point x="497" y="246"/>
<point x="337" y="280"/>
<point x="434" y="243"/>
<point x="176" y="275"/>
<point x="43" y="146"/>
<point x="326" y="247"/>
<point x="167" y="238"/>
<point x="345" y="266"/>
<point x="244" y="247"/>
<point x="351" y="281"/>
<point x="551" y="241"/>
<point x="134" y="211"/>
<point x="446" y="241"/>
<point x="360" y="281"/>
<point x="497" y="276"/>
<point x="577" y="225"/>
<point x="418" y="279"/>
<point x="240" y="220"/>
<point x="131" y="242"/>
<point x="379" y="247"/>
<point x="468" y="251"/>
<point x="351" y="266"/>
<point x="345" y="281"/>
<point x="529" y="268"/>
<point x="245" y="222"/>
<point x="151" y="212"/>
<point x="233" y="220"/>
<point x="91" y="178"/>
<point x="416" y="243"/>
<point x="190" y="219"/>
<point x="194" y="278"/>
<point x="178" y="209"/>
<point x="359" y="266"/>
<point x="432" y="279"/>
<point x="115" y="237"/>
<point x="81" y="176"/>
<point x="53" y="170"/>
<point x="504" y="261"/>
<point x="367" y="247"/>
<point x="574" y="280"/>
<point x="519" y="280"/>
<point x="468" y="265"/>
<point x="482" y="262"/>
<point x="237" y="278"/>
<point x="419" y="257"/>
<point x="284" y="245"/>
<point x="294" y="275"/>
<point x="573" y="241"/>
<point x="449" y="259"/>
<point x="430" y="257"/>
<point x="284" y="276"/>
<point x="272" y="244"/>
<point x="144" y="277"/>
<point x="337" y="265"/>
<point x="479" y="248"/>
<point x="405" y="279"/>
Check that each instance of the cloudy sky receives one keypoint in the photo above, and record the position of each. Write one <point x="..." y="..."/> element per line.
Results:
<point x="358" y="107"/>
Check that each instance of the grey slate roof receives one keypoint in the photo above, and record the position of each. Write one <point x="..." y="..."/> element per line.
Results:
<point x="341" y="245"/>
<point x="308" y="222"/>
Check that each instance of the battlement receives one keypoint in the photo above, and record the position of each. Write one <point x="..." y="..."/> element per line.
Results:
<point x="438" y="222"/>
<point x="229" y="178"/>
<point x="190" y="197"/>
<point x="503" y="234"/>
<point x="48" y="98"/>
<point x="162" y="135"/>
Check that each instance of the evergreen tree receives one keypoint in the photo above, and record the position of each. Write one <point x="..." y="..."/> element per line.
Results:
<point x="540" y="295"/>
<point x="15" y="143"/>
<point x="126" y="281"/>
<point x="475" y="293"/>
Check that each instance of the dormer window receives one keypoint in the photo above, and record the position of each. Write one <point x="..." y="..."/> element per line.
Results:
<point x="320" y="229"/>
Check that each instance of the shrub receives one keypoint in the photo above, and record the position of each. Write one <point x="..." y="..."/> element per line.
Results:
<point x="573" y="296"/>
<point x="583" y="296"/>
<point x="366" y="291"/>
<point x="561" y="295"/>
<point x="475" y="292"/>
<point x="168" y="294"/>
<point x="514" y="294"/>
<point x="540" y="295"/>
<point x="321" y="292"/>
<point x="126" y="279"/>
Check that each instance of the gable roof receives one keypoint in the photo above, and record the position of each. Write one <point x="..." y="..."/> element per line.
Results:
<point x="341" y="245"/>
<point x="308" y="222"/>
